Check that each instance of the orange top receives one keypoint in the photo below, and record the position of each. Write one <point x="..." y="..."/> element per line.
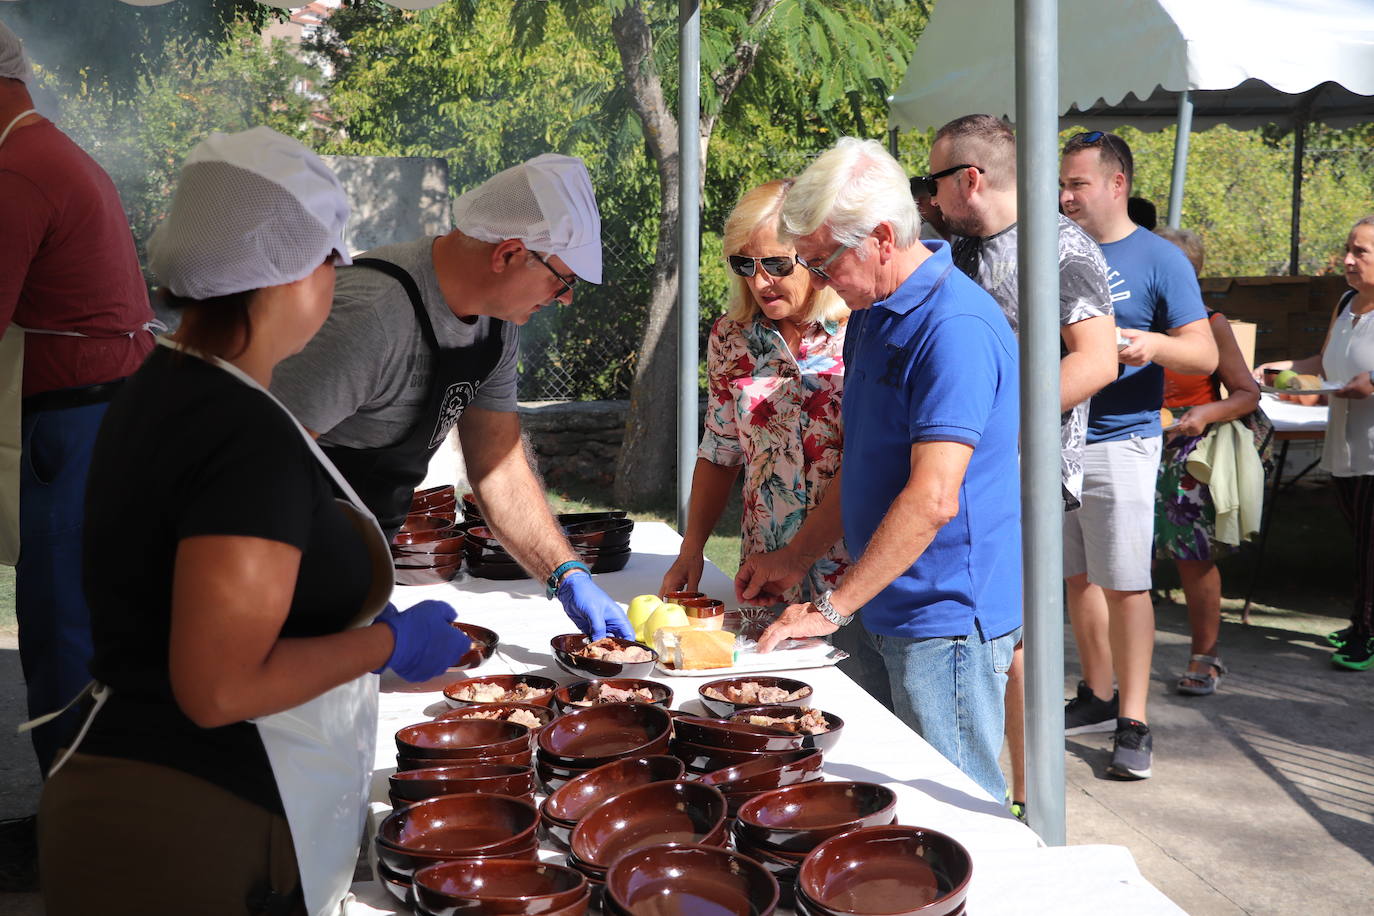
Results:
<point x="1189" y="390"/>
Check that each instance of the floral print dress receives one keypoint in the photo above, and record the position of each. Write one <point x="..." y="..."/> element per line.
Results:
<point x="779" y="417"/>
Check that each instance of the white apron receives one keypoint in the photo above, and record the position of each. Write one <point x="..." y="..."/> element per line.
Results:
<point x="321" y="751"/>
<point x="11" y="412"/>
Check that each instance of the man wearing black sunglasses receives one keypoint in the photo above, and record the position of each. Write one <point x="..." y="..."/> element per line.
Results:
<point x="980" y="206"/>
<point x="1108" y="542"/>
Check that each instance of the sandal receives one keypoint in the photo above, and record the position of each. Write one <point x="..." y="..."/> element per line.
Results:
<point x="1195" y="684"/>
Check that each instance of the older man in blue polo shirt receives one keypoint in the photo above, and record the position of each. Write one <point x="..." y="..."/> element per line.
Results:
<point x="930" y="496"/>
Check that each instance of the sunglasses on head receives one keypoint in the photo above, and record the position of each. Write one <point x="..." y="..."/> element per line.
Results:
<point x="1095" y="138"/>
<point x="931" y="183"/>
<point x="775" y="266"/>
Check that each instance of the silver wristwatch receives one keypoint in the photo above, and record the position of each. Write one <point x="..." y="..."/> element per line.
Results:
<point x="828" y="611"/>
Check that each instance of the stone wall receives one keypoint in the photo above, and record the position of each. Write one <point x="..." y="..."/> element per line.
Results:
<point x="575" y="443"/>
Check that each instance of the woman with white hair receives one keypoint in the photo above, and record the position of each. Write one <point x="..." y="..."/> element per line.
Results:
<point x="234" y="582"/>
<point x="775" y="373"/>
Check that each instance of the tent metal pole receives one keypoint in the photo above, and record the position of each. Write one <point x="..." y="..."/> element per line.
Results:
<point x="1042" y="509"/>
<point x="1185" y="132"/>
<point x="689" y="245"/>
<point x="892" y="142"/>
<point x="1295" y="228"/>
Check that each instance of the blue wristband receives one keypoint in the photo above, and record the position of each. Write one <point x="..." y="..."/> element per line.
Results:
<point x="555" y="577"/>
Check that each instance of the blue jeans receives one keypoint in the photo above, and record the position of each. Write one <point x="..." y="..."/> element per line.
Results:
<point x="950" y="690"/>
<point x="54" y="621"/>
<point x="865" y="665"/>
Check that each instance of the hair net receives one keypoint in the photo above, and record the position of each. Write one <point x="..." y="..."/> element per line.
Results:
<point x="547" y="203"/>
<point x="252" y="209"/>
<point x="13" y="64"/>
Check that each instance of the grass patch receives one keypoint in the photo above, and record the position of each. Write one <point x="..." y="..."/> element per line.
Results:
<point x="8" y="625"/>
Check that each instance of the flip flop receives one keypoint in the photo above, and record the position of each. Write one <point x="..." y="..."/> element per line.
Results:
<point x="1200" y="685"/>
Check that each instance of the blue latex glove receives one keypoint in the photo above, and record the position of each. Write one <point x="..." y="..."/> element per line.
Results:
<point x="426" y="644"/>
<point x="592" y="609"/>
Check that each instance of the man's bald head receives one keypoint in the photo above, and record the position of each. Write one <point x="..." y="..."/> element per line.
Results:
<point x="985" y="141"/>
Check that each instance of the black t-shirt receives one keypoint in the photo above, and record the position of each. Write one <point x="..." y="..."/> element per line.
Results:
<point x="186" y="449"/>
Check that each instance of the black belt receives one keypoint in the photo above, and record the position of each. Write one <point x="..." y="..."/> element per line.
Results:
<point x="64" y="398"/>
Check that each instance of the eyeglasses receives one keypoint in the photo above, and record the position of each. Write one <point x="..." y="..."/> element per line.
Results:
<point x="819" y="270"/>
<point x="745" y="266"/>
<point x="568" y="281"/>
<point x="931" y="183"/>
<point x="1108" y="145"/>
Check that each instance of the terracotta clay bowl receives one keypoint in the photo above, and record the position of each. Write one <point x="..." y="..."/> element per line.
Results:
<point x="573" y="518"/>
<point x="502" y="711"/>
<point x="605" y="561"/>
<point x="462" y="739"/>
<point x="767" y="773"/>
<point x="398" y="885"/>
<point x="573" y="696"/>
<point x="565" y="654"/>
<point x="710" y="610"/>
<point x="415" y="524"/>
<point x="734" y="735"/>
<point x="825" y="740"/>
<point x="797" y="818"/>
<point x="471" y="511"/>
<point x="887" y="871"/>
<point x="587" y="738"/>
<point x="679" y="597"/>
<point x="484" y="643"/>
<point x="698" y="879"/>
<point x="447" y="547"/>
<point x="503" y="571"/>
<point x="724" y="709"/>
<point x="427" y="575"/>
<point x="455" y="827"/>
<point x="661" y="812"/>
<point x="458" y="779"/>
<point x="552" y="774"/>
<point x="447" y="511"/>
<point x="412" y="539"/>
<point x="580" y="795"/>
<point x="604" y="534"/>
<point x="701" y="760"/>
<point x="433" y="496"/>
<point x="523" y="758"/>
<point x="497" y="887"/>
<point x="506" y="681"/>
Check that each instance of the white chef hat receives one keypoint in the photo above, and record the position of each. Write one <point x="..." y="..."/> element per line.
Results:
<point x="13" y="64"/>
<point x="547" y="203"/>
<point x="252" y="209"/>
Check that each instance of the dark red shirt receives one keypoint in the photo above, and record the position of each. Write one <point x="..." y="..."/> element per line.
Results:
<point x="67" y="263"/>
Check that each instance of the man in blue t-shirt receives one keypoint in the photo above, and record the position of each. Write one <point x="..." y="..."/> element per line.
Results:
<point x="1108" y="541"/>
<point x="930" y="495"/>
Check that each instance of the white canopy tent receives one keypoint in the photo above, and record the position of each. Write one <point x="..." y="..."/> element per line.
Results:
<point x="1153" y="63"/>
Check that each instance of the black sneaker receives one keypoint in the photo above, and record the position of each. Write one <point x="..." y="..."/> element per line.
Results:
<point x="1339" y="638"/>
<point x="1357" y="654"/>
<point x="1132" y="749"/>
<point x="1085" y="713"/>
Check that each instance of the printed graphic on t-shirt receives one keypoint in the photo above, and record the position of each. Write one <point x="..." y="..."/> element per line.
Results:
<point x="456" y="399"/>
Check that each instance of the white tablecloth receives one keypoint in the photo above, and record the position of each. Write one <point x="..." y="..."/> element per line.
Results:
<point x="1013" y="871"/>
<point x="1288" y="417"/>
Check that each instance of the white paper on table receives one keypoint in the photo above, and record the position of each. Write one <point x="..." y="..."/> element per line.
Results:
<point x="750" y="662"/>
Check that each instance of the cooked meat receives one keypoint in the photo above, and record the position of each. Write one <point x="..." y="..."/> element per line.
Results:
<point x="608" y="650"/>
<point x="493" y="693"/>
<point x="523" y="716"/>
<point x="604" y="693"/>
<point x="810" y="722"/>
<point x="755" y="694"/>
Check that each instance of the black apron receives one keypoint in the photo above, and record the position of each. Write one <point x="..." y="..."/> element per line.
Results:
<point x="386" y="478"/>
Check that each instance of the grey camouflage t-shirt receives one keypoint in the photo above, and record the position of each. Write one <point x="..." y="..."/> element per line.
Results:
<point x="363" y="380"/>
<point x="1083" y="294"/>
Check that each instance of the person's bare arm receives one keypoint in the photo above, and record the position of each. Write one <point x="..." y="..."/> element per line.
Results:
<point x="711" y="484"/>
<point x="767" y="575"/>
<point x="928" y="501"/>
<point x="1242" y="392"/>
<point x="228" y="661"/>
<point x="1090" y="363"/>
<point x="1189" y="348"/>
<point x="1308" y="365"/>
<point x="508" y="492"/>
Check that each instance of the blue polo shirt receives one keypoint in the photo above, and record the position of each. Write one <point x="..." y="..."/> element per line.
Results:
<point x="1154" y="288"/>
<point x="936" y="362"/>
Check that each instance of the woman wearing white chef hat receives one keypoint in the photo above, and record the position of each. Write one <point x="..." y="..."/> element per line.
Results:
<point x="235" y="582"/>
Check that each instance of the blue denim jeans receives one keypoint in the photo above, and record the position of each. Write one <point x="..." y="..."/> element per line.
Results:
<point x="865" y="665"/>
<point x="951" y="690"/>
<point x="54" y="621"/>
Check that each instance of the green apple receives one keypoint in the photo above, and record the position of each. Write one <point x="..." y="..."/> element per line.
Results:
<point x="667" y="615"/>
<point x="641" y="609"/>
<point x="1286" y="379"/>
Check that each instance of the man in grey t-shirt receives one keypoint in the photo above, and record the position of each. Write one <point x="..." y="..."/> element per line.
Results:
<point x="423" y="336"/>
<point x="977" y="197"/>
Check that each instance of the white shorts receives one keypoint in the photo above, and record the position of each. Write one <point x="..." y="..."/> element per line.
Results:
<point x="1111" y="536"/>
